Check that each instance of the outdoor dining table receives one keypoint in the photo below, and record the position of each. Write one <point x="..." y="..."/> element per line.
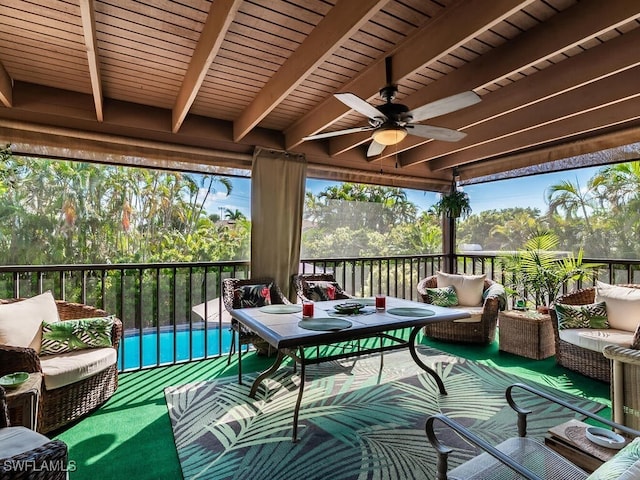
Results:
<point x="284" y="328"/>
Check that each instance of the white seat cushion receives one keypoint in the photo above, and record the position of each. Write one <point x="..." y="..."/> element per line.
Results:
<point x="475" y="312"/>
<point x="21" y="322"/>
<point x="67" y="368"/>
<point x="596" y="339"/>
<point x="469" y="288"/>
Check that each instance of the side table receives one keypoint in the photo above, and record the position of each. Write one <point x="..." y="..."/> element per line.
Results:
<point x="526" y="333"/>
<point x="570" y="440"/>
<point x="22" y="402"/>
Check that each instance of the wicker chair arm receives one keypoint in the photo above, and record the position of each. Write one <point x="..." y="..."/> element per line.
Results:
<point x="621" y="354"/>
<point x="4" y="409"/>
<point x="18" y="359"/>
<point x="578" y="297"/>
<point x="495" y="296"/>
<point x="50" y="460"/>
<point x="428" y="282"/>
<point x="279" y="296"/>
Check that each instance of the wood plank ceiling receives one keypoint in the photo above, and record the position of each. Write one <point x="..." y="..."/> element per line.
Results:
<point x="203" y="83"/>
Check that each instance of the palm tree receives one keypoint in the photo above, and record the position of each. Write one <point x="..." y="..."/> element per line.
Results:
<point x="233" y="215"/>
<point x="570" y="198"/>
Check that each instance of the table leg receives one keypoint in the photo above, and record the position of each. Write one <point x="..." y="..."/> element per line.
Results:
<point x="239" y="359"/>
<point x="296" y="412"/>
<point x="420" y="363"/>
<point x="266" y="373"/>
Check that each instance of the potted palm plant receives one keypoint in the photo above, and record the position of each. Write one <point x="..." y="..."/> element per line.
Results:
<point x="453" y="204"/>
<point x="539" y="271"/>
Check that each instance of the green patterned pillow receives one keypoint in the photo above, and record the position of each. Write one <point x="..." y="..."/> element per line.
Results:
<point x="624" y="465"/>
<point x="70" y="335"/>
<point x="443" y="297"/>
<point x="592" y="315"/>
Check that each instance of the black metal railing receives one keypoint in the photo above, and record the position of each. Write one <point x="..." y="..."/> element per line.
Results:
<point x="173" y="312"/>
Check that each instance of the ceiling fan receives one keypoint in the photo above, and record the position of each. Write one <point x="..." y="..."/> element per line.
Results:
<point x="392" y="122"/>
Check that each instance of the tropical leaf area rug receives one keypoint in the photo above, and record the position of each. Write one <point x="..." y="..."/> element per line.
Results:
<point x="356" y="421"/>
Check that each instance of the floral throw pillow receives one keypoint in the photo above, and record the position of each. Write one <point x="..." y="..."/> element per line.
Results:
<point x="250" y="296"/>
<point x="443" y="297"/>
<point x="592" y="315"/>
<point x="321" y="291"/>
<point x="70" y="335"/>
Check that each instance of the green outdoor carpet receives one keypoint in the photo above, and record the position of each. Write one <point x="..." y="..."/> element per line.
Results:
<point x="356" y="421"/>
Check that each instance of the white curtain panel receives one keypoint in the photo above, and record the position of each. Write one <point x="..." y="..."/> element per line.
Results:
<point x="277" y="201"/>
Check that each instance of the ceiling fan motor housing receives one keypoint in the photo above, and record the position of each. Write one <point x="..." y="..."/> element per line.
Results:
<point x="395" y="112"/>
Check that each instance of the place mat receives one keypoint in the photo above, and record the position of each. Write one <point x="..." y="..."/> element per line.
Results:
<point x="279" y="308"/>
<point x="411" y="312"/>
<point x="324" y="324"/>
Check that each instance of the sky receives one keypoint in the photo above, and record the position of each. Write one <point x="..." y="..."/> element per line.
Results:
<point x="518" y="192"/>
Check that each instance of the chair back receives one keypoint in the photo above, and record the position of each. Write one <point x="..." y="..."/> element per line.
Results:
<point x="305" y="284"/>
<point x="230" y="285"/>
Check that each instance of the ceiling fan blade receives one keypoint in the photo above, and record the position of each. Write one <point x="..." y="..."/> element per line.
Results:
<point x="359" y="105"/>
<point x="338" y="132"/>
<point x="444" y="105"/>
<point x="375" y="149"/>
<point x="436" y="133"/>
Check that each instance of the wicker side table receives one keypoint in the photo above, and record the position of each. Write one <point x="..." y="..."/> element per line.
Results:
<point x="526" y="333"/>
<point x="22" y="402"/>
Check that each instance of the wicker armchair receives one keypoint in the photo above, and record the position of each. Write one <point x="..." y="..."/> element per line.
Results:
<point x="483" y="332"/>
<point x="301" y="285"/>
<point x="625" y="394"/>
<point x="245" y="336"/>
<point x="27" y="455"/>
<point x="65" y="404"/>
<point x="582" y="360"/>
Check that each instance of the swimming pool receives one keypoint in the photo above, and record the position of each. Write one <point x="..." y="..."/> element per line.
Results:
<point x="185" y="341"/>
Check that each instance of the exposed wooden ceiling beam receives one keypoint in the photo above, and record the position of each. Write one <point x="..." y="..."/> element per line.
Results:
<point x="221" y="14"/>
<point x="541" y="156"/>
<point x="342" y="21"/>
<point x="583" y="21"/>
<point x="617" y="55"/>
<point x="608" y="91"/>
<point x="87" y="12"/>
<point x="458" y="24"/>
<point x="581" y="124"/>
<point x="6" y="87"/>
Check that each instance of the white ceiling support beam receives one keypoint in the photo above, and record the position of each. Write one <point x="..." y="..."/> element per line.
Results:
<point x="221" y="14"/>
<point x="457" y="25"/>
<point x="342" y="21"/>
<point x="88" y="15"/>
<point x="575" y="72"/>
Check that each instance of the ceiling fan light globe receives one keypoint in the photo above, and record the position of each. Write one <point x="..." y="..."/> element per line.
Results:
<point x="389" y="135"/>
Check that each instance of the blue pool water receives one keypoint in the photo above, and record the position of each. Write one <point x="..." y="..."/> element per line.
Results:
<point x="185" y="341"/>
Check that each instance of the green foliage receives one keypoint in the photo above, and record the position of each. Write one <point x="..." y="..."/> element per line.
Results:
<point x="454" y="204"/>
<point x="353" y="220"/>
<point x="540" y="270"/>
<point x="62" y="212"/>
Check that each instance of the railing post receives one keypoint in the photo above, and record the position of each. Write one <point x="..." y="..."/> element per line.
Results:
<point x="449" y="243"/>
